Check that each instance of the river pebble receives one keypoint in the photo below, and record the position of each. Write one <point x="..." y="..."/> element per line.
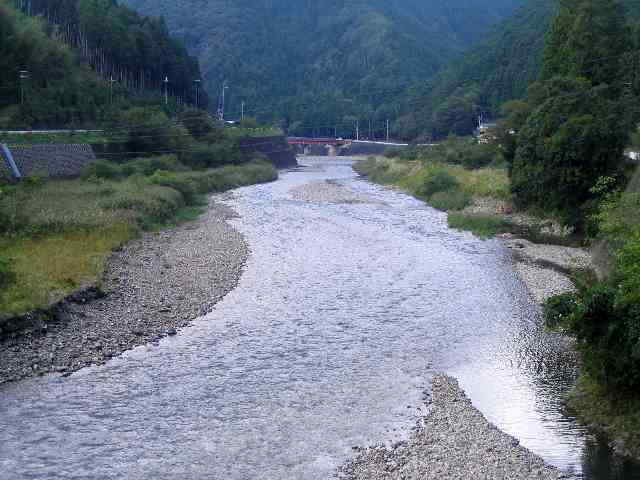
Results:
<point x="328" y="191"/>
<point x="453" y="441"/>
<point x="155" y="286"/>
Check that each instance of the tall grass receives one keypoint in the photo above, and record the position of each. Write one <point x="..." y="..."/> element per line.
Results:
<point x="58" y="234"/>
<point x="411" y="175"/>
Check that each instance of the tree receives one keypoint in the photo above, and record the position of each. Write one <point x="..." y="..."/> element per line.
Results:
<point x="149" y="131"/>
<point x="586" y="40"/>
<point x="579" y="130"/>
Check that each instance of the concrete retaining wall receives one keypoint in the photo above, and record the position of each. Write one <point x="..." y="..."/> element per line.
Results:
<point x="55" y="161"/>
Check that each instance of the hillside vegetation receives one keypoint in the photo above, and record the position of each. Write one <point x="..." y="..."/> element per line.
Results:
<point x="498" y="69"/>
<point x="72" y="49"/>
<point x="320" y="65"/>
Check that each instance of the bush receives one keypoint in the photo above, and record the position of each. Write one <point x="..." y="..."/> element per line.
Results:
<point x="436" y="180"/>
<point x="149" y="166"/>
<point x="478" y="156"/>
<point x="483" y="226"/>
<point x="450" y="200"/>
<point x="103" y="169"/>
<point x="628" y="271"/>
<point x="182" y="183"/>
<point x="7" y="276"/>
<point x="204" y="155"/>
<point x="199" y="124"/>
<point x="558" y="308"/>
<point x="608" y="336"/>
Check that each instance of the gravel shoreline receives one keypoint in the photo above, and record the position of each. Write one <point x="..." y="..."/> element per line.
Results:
<point x="544" y="268"/>
<point x="155" y="285"/>
<point x="453" y="441"/>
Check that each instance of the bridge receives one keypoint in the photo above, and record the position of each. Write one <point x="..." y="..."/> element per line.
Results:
<point x="339" y="146"/>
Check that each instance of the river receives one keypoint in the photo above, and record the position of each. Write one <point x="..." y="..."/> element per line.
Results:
<point x="344" y="313"/>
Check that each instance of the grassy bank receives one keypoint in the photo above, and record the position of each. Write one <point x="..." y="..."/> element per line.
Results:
<point x="447" y="187"/>
<point x="57" y="235"/>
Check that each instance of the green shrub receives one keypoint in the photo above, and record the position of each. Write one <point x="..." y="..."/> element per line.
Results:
<point x="450" y="200"/>
<point x="199" y="123"/>
<point x="148" y="166"/>
<point x="558" y="309"/>
<point x="436" y="180"/>
<point x="483" y="226"/>
<point x="478" y="156"/>
<point x="103" y="169"/>
<point x="7" y="276"/>
<point x="628" y="271"/>
<point x="181" y="182"/>
<point x="204" y="155"/>
<point x="148" y="203"/>
<point x="608" y="336"/>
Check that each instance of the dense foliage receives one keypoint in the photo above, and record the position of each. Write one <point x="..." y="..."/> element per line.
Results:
<point x="604" y="314"/>
<point x="499" y="69"/>
<point x="72" y="49"/>
<point x="579" y="120"/>
<point x="58" y="90"/>
<point x="320" y="66"/>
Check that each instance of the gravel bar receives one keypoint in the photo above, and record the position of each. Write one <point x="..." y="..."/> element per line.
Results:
<point x="453" y="441"/>
<point x="327" y="191"/>
<point x="155" y="285"/>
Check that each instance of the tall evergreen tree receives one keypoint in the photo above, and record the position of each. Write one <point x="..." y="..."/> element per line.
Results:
<point x="578" y="130"/>
<point x="587" y="40"/>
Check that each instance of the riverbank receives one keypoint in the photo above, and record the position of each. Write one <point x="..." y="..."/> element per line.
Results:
<point x="153" y="286"/>
<point x="453" y="441"/>
<point x="56" y="236"/>
<point x="477" y="201"/>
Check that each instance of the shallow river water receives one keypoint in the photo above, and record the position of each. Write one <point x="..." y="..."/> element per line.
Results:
<point x="343" y="314"/>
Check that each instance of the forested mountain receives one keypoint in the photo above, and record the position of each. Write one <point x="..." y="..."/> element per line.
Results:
<point x="324" y="62"/>
<point x="499" y="69"/>
<point x="80" y="57"/>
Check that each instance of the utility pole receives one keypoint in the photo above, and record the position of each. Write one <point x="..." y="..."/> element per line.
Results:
<point x="166" y="90"/>
<point x="335" y="131"/>
<point x="370" y="137"/>
<point x="197" y="82"/>
<point x="24" y="75"/>
<point x="111" y="81"/>
<point x="242" y="110"/>
<point x="387" y="130"/>
<point x="224" y="88"/>
<point x="357" y="129"/>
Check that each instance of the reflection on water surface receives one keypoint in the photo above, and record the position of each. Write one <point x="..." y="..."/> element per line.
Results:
<point x="346" y="308"/>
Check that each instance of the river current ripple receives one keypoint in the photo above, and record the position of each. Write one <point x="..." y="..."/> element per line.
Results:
<point x="343" y="314"/>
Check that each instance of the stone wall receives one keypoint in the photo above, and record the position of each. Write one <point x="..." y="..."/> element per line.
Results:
<point x="6" y="174"/>
<point x="277" y="149"/>
<point x="55" y="161"/>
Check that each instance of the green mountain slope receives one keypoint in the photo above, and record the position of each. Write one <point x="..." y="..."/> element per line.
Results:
<point x="82" y="58"/>
<point x="499" y="69"/>
<point x="324" y="62"/>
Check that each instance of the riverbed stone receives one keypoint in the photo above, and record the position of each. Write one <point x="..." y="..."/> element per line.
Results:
<point x="453" y="441"/>
<point x="205" y="257"/>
